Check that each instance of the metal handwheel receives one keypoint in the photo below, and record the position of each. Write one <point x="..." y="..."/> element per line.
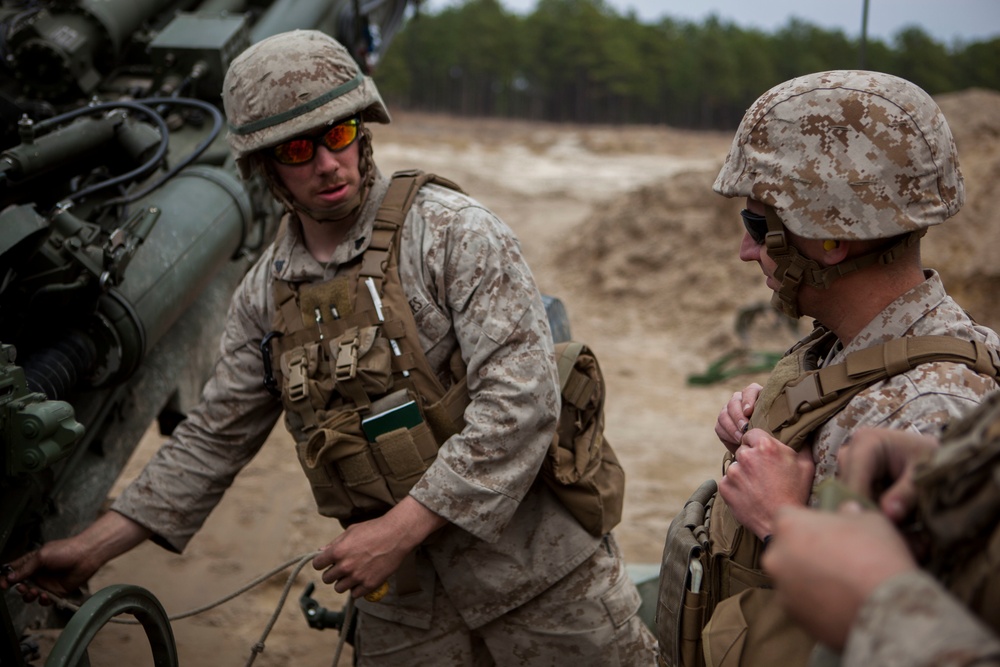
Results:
<point x="71" y="648"/>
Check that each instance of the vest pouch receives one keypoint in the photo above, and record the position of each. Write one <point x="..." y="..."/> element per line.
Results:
<point x="580" y="467"/>
<point x="680" y="612"/>
<point x="301" y="390"/>
<point x="402" y="456"/>
<point x="741" y="578"/>
<point x="691" y="622"/>
<point x="751" y="629"/>
<point x="361" y="357"/>
<point x="345" y="479"/>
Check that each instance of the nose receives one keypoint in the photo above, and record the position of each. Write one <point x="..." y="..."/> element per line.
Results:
<point x="749" y="249"/>
<point x="325" y="160"/>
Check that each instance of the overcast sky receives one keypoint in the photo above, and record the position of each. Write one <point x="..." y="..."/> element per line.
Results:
<point x="945" y="20"/>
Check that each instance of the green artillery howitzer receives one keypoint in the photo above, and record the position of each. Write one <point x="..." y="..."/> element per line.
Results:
<point x="124" y="230"/>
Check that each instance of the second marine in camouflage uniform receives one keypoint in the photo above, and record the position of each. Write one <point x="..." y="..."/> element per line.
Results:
<point x="843" y="172"/>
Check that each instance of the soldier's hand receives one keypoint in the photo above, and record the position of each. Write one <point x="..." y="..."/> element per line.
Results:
<point x="62" y="566"/>
<point x="765" y="476"/>
<point x="59" y="567"/>
<point x="366" y="554"/>
<point x="880" y="463"/>
<point x="826" y="564"/>
<point x="735" y="416"/>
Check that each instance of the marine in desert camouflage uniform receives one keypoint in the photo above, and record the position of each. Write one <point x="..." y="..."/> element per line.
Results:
<point x="842" y="173"/>
<point x="505" y="575"/>
<point x="853" y="167"/>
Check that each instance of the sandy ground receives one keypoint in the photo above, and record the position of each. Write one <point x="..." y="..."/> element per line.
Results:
<point x="621" y="224"/>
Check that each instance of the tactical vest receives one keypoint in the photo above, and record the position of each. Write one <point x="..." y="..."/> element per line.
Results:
<point x="715" y="605"/>
<point x="367" y="412"/>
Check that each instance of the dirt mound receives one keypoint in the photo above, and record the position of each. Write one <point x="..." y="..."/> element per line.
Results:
<point x="964" y="249"/>
<point x="673" y="246"/>
<point x="671" y="250"/>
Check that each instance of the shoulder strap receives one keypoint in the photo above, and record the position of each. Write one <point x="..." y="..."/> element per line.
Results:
<point x="374" y="279"/>
<point x="818" y="394"/>
<point x="391" y="214"/>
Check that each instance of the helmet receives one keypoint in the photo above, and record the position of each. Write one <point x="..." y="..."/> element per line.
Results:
<point x="847" y="155"/>
<point x="291" y="83"/>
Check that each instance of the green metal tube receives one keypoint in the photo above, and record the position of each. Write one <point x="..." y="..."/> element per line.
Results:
<point x="204" y="214"/>
<point x="285" y="15"/>
<point x="61" y="146"/>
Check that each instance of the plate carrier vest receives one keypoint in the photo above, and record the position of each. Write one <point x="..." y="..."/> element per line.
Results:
<point x="715" y="603"/>
<point x="348" y="348"/>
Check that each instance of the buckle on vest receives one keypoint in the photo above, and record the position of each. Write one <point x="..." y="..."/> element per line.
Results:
<point x="347" y="361"/>
<point x="297" y="378"/>
<point x="805" y="392"/>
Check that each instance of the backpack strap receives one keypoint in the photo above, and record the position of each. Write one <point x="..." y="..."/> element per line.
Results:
<point x="818" y="394"/>
<point x="391" y="214"/>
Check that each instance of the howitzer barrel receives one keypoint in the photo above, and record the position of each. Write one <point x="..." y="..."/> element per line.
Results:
<point x="204" y="215"/>
<point x="121" y="18"/>
<point x="287" y="15"/>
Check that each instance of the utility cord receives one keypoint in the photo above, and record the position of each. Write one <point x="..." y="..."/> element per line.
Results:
<point x="258" y="647"/>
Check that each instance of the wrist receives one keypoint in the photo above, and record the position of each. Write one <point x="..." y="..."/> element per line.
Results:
<point x="415" y="522"/>
<point x="110" y="536"/>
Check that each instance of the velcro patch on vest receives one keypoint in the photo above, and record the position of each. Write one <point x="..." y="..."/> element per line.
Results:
<point x="398" y="450"/>
<point x="357" y="469"/>
<point x="323" y="302"/>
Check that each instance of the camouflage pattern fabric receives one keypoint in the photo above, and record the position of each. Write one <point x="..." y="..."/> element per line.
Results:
<point x="945" y="615"/>
<point x="912" y="621"/>
<point x="582" y="620"/>
<point x="846" y="155"/>
<point x="469" y="288"/>
<point x="922" y="400"/>
<point x="288" y="85"/>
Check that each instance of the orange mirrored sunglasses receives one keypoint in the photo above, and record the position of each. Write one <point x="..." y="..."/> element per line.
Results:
<point x="302" y="149"/>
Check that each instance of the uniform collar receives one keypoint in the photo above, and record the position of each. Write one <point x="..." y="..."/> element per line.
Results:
<point x="292" y="261"/>
<point x="900" y="317"/>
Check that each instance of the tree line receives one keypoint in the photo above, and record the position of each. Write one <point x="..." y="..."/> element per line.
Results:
<point x="581" y="61"/>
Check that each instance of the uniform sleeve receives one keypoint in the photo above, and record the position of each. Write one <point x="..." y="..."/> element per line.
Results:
<point x="187" y="477"/>
<point x="911" y="621"/>
<point x="499" y="321"/>
<point x="923" y="400"/>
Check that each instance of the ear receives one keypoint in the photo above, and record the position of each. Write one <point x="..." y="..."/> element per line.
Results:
<point x="835" y="252"/>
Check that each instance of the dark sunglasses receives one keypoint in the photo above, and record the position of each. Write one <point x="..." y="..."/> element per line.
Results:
<point x="756" y="225"/>
<point x="302" y="149"/>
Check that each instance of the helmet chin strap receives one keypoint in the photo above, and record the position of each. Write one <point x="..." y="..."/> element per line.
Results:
<point x="793" y="269"/>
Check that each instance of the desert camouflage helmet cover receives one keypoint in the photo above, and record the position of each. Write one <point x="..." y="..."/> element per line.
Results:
<point x="288" y="85"/>
<point x="846" y="155"/>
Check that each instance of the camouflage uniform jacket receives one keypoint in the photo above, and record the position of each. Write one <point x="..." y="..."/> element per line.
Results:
<point x="924" y="399"/>
<point x="469" y="288"/>
<point x="912" y="621"/>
